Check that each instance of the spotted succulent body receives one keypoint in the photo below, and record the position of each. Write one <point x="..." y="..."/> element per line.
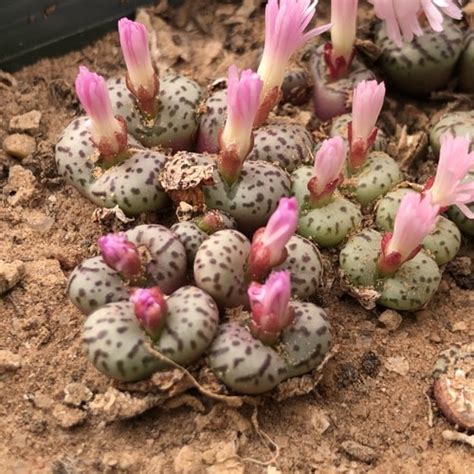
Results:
<point x="465" y="224"/>
<point x="286" y="144"/>
<point x="442" y="243"/>
<point x="93" y="284"/>
<point x="132" y="185"/>
<point x="212" y="120"/>
<point x="331" y="97"/>
<point x="459" y="124"/>
<point x="245" y="365"/>
<point x="466" y="64"/>
<point x="409" y="288"/>
<point x="115" y="342"/>
<point x="305" y="266"/>
<point x="176" y="123"/>
<point x="377" y="176"/>
<point x="424" y="64"/>
<point x="219" y="268"/>
<point x="327" y="225"/>
<point x="252" y="199"/>
<point x="296" y="87"/>
<point x="339" y="129"/>
<point x="192" y="236"/>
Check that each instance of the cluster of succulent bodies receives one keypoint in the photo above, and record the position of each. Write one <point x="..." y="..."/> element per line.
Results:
<point x="266" y="197"/>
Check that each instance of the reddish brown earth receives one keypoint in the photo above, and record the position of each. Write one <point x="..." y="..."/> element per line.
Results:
<point x="375" y="392"/>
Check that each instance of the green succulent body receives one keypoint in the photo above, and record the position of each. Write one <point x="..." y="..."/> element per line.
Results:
<point x="424" y="64"/>
<point x="329" y="224"/>
<point x="459" y="124"/>
<point x="376" y="177"/>
<point x="442" y="243"/>
<point x="408" y="289"/>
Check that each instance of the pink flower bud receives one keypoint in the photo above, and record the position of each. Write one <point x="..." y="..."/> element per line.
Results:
<point x="402" y="16"/>
<point x="327" y="171"/>
<point x="109" y="133"/>
<point x="150" y="309"/>
<point x="236" y="140"/>
<point x="268" y="244"/>
<point x="285" y="24"/>
<point x="415" y="219"/>
<point x="454" y="164"/>
<point x="367" y="102"/>
<point x="120" y="254"/>
<point x="339" y="53"/>
<point x="269" y="305"/>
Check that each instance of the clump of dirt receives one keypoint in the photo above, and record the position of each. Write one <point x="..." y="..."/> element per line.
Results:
<point x="369" y="413"/>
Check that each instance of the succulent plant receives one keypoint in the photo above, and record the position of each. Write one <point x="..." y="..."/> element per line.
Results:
<point x="211" y="121"/>
<point x="332" y="96"/>
<point x="283" y="339"/>
<point x="340" y="126"/>
<point x="98" y="158"/>
<point x="404" y="277"/>
<point x="227" y="261"/>
<point x="296" y="87"/>
<point x="459" y="124"/>
<point x="246" y="190"/>
<point x="101" y="280"/>
<point x="325" y="217"/>
<point x="378" y="175"/>
<point x="453" y="186"/>
<point x="424" y="64"/>
<point x="158" y="111"/>
<point x="442" y="243"/>
<point x="285" y="24"/>
<point x="466" y="64"/>
<point x="194" y="232"/>
<point x="115" y="335"/>
<point x="175" y="125"/>
<point x="287" y="144"/>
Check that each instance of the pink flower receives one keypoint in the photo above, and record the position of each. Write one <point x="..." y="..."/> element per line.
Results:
<point x="236" y="141"/>
<point x="327" y="170"/>
<point x="120" y="254"/>
<point x="367" y="102"/>
<point x="268" y="243"/>
<point x="455" y="162"/>
<point x="339" y="53"/>
<point x="141" y="78"/>
<point x="150" y="309"/>
<point x="402" y="16"/>
<point x="109" y="133"/>
<point x="285" y="24"/>
<point x="415" y="219"/>
<point x="269" y="305"/>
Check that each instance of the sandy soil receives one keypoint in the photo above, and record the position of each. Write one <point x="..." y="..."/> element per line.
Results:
<point x="375" y="392"/>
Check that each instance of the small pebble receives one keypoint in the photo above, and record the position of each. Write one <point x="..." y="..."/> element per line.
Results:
<point x="9" y="362"/>
<point x="391" y="319"/>
<point x="10" y="274"/>
<point x="399" y="365"/>
<point x="19" y="145"/>
<point x="359" y="451"/>
<point x="28" y="122"/>
<point x="67" y="417"/>
<point x="76" y="394"/>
